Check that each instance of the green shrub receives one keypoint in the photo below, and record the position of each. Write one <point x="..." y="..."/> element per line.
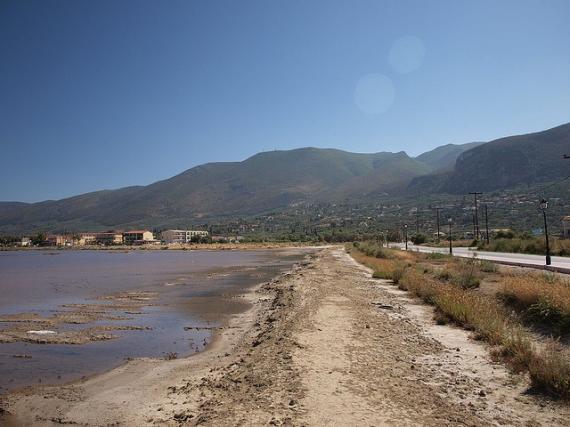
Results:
<point x="465" y="274"/>
<point x="373" y="249"/>
<point x="418" y="239"/>
<point x="544" y="311"/>
<point x="488" y="266"/>
<point x="505" y="234"/>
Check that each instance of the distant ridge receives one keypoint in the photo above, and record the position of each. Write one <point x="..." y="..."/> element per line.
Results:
<point x="504" y="163"/>
<point x="263" y="182"/>
<point x="443" y="158"/>
<point x="277" y="179"/>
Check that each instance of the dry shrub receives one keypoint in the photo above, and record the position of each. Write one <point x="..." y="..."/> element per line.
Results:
<point x="373" y="249"/>
<point x="488" y="266"/>
<point x="550" y="370"/>
<point x="390" y="267"/>
<point x="517" y="349"/>
<point x="469" y="309"/>
<point x="463" y="273"/>
<point x="533" y="245"/>
<point x="437" y="256"/>
<point x="543" y="297"/>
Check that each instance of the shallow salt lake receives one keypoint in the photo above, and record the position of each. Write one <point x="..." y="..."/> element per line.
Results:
<point x="190" y="289"/>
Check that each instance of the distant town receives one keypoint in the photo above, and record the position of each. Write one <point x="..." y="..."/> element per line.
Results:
<point x="129" y="238"/>
<point x="251" y="234"/>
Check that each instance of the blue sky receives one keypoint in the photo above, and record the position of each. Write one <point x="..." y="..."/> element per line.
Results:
<point x="104" y="94"/>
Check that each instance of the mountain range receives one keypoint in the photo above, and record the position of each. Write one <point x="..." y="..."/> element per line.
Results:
<point x="277" y="179"/>
<point x="504" y="163"/>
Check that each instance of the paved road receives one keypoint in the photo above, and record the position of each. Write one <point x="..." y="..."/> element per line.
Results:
<point x="537" y="261"/>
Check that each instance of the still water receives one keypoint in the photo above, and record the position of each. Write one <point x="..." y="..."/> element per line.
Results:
<point x="193" y="292"/>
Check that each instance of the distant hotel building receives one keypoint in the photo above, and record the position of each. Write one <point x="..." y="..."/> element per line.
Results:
<point x="102" y="238"/>
<point x="58" y="240"/>
<point x="182" y="236"/>
<point x="138" y="237"/>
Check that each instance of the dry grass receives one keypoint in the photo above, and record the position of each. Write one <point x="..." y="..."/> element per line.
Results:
<point x="443" y="243"/>
<point x="535" y="245"/>
<point x="472" y="310"/>
<point x="486" y="316"/>
<point x="543" y="297"/>
<point x="391" y="265"/>
<point x="373" y="250"/>
<point x="550" y="371"/>
<point x="463" y="273"/>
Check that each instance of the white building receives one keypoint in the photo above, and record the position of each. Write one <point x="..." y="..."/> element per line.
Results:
<point x="182" y="236"/>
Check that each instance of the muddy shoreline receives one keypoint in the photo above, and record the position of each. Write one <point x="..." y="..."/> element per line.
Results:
<point x="324" y="344"/>
<point x="172" y="315"/>
<point x="223" y="338"/>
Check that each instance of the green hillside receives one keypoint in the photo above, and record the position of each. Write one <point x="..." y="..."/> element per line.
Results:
<point x="266" y="181"/>
<point x="277" y="180"/>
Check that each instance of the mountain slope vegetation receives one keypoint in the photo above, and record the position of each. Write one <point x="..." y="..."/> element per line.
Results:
<point x="263" y="182"/>
<point x="443" y="158"/>
<point x="504" y="163"/>
<point x="275" y="180"/>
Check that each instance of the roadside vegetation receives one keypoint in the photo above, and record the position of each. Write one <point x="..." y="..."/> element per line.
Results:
<point x="542" y="297"/>
<point x="528" y="245"/>
<point x="500" y="317"/>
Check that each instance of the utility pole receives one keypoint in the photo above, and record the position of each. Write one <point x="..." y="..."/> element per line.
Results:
<point x="437" y="220"/>
<point x="406" y="235"/>
<point x="487" y="223"/>
<point x="543" y="206"/>
<point x="476" y="219"/>
<point x="450" y="244"/>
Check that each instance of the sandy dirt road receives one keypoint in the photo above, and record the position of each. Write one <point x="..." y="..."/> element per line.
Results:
<point x="324" y="345"/>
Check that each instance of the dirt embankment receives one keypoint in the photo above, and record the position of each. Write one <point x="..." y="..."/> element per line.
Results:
<point x="324" y="345"/>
